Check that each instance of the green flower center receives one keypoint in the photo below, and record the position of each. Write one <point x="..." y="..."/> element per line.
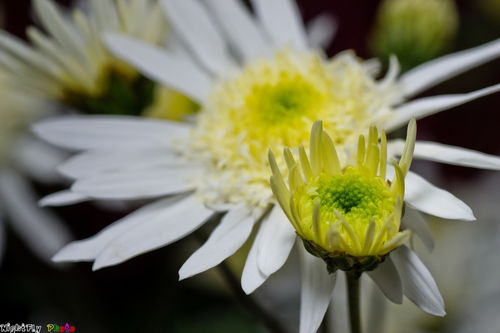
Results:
<point x="284" y="101"/>
<point x="121" y="96"/>
<point x="356" y="197"/>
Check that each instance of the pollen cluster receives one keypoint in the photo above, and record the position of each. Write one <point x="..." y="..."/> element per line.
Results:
<point x="272" y="103"/>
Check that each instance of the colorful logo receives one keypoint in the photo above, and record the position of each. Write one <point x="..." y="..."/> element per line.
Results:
<point x="57" y="328"/>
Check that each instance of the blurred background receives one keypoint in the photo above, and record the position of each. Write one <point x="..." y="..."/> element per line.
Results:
<point x="143" y="294"/>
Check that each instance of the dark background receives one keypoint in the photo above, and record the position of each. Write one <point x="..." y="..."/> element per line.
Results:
<point x="143" y="294"/>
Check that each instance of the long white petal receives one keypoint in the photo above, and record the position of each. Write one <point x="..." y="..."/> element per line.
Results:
<point x="42" y="231"/>
<point x="386" y="277"/>
<point x="98" y="132"/>
<point x="414" y="221"/>
<point x="426" y="106"/>
<point x="240" y="28"/>
<point x="438" y="152"/>
<point x="176" y="222"/>
<point x="441" y="69"/>
<point x="105" y="160"/>
<point x="316" y="291"/>
<point x="321" y="31"/>
<point x="282" y="21"/>
<point x="418" y="284"/>
<point x="159" y="65"/>
<point x="278" y="237"/>
<point x="63" y="198"/>
<point x="192" y="22"/>
<point x="88" y="249"/>
<point x="429" y="199"/>
<point x="136" y="184"/>
<point x="224" y="241"/>
<point x="252" y="277"/>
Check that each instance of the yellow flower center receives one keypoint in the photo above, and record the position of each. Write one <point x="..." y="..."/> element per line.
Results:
<point x="272" y="103"/>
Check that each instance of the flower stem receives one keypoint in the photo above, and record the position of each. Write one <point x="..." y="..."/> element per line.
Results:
<point x="353" y="299"/>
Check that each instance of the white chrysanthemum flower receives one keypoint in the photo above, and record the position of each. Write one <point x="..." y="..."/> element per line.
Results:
<point x="261" y="85"/>
<point x="21" y="155"/>
<point x="69" y="64"/>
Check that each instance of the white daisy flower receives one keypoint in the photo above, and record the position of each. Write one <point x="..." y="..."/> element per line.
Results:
<point x="22" y="155"/>
<point x="261" y="85"/>
<point x="68" y="63"/>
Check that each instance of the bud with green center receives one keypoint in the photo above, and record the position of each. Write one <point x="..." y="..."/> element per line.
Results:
<point x="350" y="216"/>
<point x="414" y="30"/>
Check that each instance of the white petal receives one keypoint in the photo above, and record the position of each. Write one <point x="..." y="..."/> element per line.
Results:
<point x="88" y="249"/>
<point x="42" y="231"/>
<point x="105" y="160"/>
<point x="429" y="199"/>
<point x="418" y="284"/>
<point x="136" y="184"/>
<point x="252" y="277"/>
<point x="438" y="152"/>
<point x="94" y="132"/>
<point x="178" y="221"/>
<point x="316" y="291"/>
<point x="39" y="159"/>
<point x="321" y="31"/>
<point x="224" y="241"/>
<point x="282" y="21"/>
<point x="441" y="69"/>
<point x="414" y="221"/>
<point x="63" y="198"/>
<point x="240" y="28"/>
<point x="159" y="65"/>
<point x="386" y="277"/>
<point x="278" y="237"/>
<point x="426" y="106"/>
<point x="192" y="22"/>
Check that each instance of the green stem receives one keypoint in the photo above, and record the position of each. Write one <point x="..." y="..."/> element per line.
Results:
<point x="354" y="303"/>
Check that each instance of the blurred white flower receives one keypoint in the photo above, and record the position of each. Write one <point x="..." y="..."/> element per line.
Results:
<point x="22" y="155"/>
<point x="260" y="86"/>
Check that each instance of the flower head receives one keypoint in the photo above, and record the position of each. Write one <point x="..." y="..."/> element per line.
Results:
<point x="348" y="215"/>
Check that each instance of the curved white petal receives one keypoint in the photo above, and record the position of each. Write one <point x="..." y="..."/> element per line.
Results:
<point x="414" y="221"/>
<point x="426" y="106"/>
<point x="252" y="277"/>
<point x="436" y="71"/>
<point x="240" y="28"/>
<point x="105" y="160"/>
<point x="429" y="199"/>
<point x="224" y="241"/>
<point x="88" y="249"/>
<point x="174" y="223"/>
<point x="442" y="153"/>
<point x="63" y="198"/>
<point x="281" y="19"/>
<point x="98" y="132"/>
<point x="159" y="65"/>
<point x="137" y="184"/>
<point x="278" y="237"/>
<point x="418" y="284"/>
<point x="386" y="277"/>
<point x="42" y="231"/>
<point x="321" y="31"/>
<point x="316" y="291"/>
<point x="192" y="22"/>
